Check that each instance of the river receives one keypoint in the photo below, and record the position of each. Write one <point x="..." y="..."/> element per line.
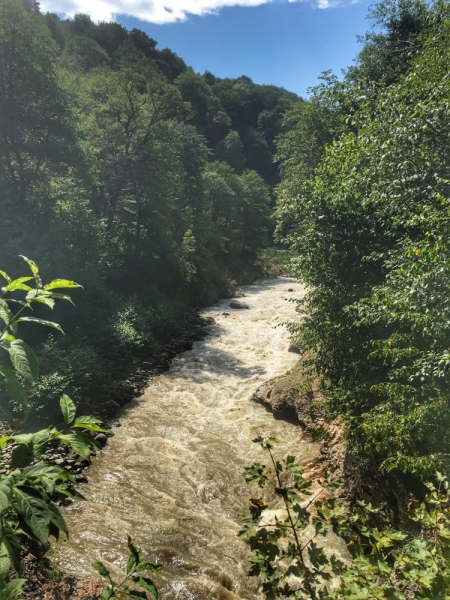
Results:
<point x="172" y="475"/>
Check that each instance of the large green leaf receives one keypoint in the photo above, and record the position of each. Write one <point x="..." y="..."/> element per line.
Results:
<point x="4" y="440"/>
<point x="18" y="284"/>
<point x="61" y="297"/>
<point x="22" y="456"/>
<point x="146" y="583"/>
<point x="133" y="594"/>
<point x="68" y="409"/>
<point x="44" y="300"/>
<point x="7" y="316"/>
<point x="10" y="542"/>
<point x="24" y="360"/>
<point x="10" y="591"/>
<point x="5" y="565"/>
<point x="79" y="442"/>
<point x="41" y="438"/>
<point x="13" y="384"/>
<point x="89" y="423"/>
<point x="5" y="276"/>
<point x="100" y="568"/>
<point x="34" y="269"/>
<point x="40" y="322"/>
<point x="49" y="477"/>
<point x="59" y="284"/>
<point x="5" y="493"/>
<point x="34" y="511"/>
<point x="57" y="519"/>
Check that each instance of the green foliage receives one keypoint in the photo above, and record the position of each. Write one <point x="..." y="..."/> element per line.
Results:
<point x="290" y="554"/>
<point x="369" y="227"/>
<point x="135" y="567"/>
<point x="231" y="151"/>
<point x="22" y="369"/>
<point x="32" y="488"/>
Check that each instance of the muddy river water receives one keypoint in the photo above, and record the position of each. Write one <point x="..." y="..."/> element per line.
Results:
<point x="172" y="476"/>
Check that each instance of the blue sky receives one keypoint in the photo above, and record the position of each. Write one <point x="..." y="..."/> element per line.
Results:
<point x="286" y="43"/>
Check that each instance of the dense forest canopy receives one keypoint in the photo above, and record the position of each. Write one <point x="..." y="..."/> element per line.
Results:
<point x="150" y="184"/>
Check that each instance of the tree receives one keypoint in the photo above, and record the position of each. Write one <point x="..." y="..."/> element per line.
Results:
<point x="110" y="36"/>
<point x="231" y="151"/>
<point x="83" y="53"/>
<point x="388" y="52"/>
<point x="33" y="116"/>
<point x="197" y="92"/>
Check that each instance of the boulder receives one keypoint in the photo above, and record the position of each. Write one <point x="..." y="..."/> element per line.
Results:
<point x="237" y="305"/>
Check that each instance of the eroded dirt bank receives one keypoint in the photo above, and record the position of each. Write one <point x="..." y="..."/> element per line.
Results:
<point x="172" y="475"/>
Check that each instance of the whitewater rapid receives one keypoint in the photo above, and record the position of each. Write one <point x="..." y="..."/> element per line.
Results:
<point x="172" y="475"/>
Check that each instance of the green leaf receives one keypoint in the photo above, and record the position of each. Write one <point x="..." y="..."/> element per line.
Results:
<point x="57" y="519"/>
<point x="89" y="423"/>
<point x="107" y="594"/>
<point x="11" y="543"/>
<point x="44" y="300"/>
<point x="5" y="565"/>
<point x="7" y="316"/>
<point x="10" y="591"/>
<point x="14" y="301"/>
<point x="58" y="284"/>
<point x="24" y="360"/>
<point x="147" y="584"/>
<point x="80" y="443"/>
<point x="5" y="276"/>
<point x="21" y="456"/>
<point x="4" y="440"/>
<point x="102" y="570"/>
<point x="34" y="269"/>
<point x="5" y="493"/>
<point x="131" y="565"/>
<point x="33" y="509"/>
<point x="13" y="386"/>
<point x="68" y="409"/>
<point x="46" y="475"/>
<point x="134" y="556"/>
<point x="61" y="297"/>
<point x="18" y="284"/>
<point x="40" y="322"/>
<point x="145" y="566"/>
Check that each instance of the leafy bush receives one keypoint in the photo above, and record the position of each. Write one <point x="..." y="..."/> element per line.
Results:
<point x="383" y="562"/>
<point x="30" y="489"/>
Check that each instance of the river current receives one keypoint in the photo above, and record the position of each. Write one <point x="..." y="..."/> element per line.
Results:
<point x="172" y="476"/>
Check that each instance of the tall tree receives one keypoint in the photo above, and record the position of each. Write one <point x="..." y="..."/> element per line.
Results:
<point x="33" y="113"/>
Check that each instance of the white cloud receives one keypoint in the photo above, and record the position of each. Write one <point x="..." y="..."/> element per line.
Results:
<point x="155" y="11"/>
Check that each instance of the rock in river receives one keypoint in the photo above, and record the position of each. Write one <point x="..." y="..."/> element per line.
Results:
<point x="234" y="304"/>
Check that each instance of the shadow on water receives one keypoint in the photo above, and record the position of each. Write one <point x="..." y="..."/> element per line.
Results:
<point x="211" y="363"/>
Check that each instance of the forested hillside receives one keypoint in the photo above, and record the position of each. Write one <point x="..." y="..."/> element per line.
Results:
<point x="122" y="168"/>
<point x="365" y="203"/>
